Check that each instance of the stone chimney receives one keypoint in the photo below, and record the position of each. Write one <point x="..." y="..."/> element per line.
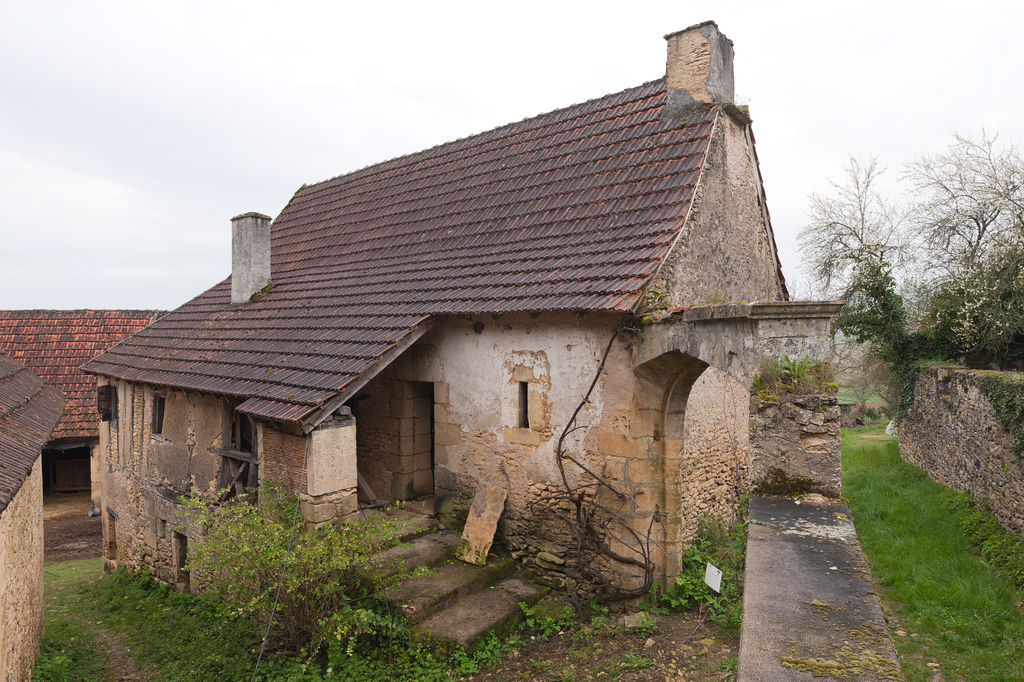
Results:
<point x="250" y="255"/>
<point x="699" y="68"/>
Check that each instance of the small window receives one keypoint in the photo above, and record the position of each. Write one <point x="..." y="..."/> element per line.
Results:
<point x="242" y="433"/>
<point x="157" y="424"/>
<point x="239" y="470"/>
<point x="179" y="547"/>
<point x="524" y="405"/>
<point x="106" y="403"/>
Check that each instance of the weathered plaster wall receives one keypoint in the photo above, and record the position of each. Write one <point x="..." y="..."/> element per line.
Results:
<point x="144" y="474"/>
<point x="795" y="445"/>
<point x="21" y="578"/>
<point x="952" y="432"/>
<point x="724" y="253"/>
<point x="476" y="366"/>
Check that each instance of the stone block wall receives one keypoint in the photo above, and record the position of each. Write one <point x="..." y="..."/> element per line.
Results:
<point x="21" y="578"/>
<point x="395" y="435"/>
<point x="716" y="450"/>
<point x="144" y="474"/>
<point x="953" y="433"/>
<point x="794" y="445"/>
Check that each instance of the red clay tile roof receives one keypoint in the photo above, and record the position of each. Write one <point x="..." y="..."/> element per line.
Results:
<point x="571" y="210"/>
<point x="53" y="343"/>
<point x="28" y="411"/>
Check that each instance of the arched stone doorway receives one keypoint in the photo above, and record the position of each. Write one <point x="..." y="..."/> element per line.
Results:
<point x="694" y="419"/>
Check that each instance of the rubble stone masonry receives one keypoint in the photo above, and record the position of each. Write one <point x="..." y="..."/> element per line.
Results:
<point x="795" y="445"/>
<point x="952" y="432"/>
<point x="21" y="578"/>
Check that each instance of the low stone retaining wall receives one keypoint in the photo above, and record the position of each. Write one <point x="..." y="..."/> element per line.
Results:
<point x="953" y="432"/>
<point x="794" y="445"/>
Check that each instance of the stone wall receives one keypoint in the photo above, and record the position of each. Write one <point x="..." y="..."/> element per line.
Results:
<point x="144" y="474"/>
<point x="794" y="445"/>
<point x="394" y="419"/>
<point x="716" y="449"/>
<point x="21" y="578"/>
<point x="952" y="432"/>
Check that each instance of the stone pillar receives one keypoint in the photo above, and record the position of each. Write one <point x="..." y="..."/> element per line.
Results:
<point x="96" y="478"/>
<point x="331" y="474"/>
<point x="794" y="445"/>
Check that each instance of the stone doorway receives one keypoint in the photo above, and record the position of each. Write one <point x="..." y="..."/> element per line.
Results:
<point x="395" y="441"/>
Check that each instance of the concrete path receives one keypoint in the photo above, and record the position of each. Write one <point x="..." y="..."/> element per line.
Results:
<point x="809" y="607"/>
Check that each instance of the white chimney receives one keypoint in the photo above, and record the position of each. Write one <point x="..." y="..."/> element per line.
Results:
<point x="699" y="68"/>
<point x="250" y="255"/>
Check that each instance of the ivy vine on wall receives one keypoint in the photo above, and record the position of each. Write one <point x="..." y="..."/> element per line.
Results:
<point x="1005" y="392"/>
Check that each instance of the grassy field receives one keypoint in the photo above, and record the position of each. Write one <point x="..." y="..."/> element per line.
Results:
<point x="952" y="615"/>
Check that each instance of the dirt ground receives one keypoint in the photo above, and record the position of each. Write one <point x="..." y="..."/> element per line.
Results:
<point x="682" y="646"/>
<point x="68" y="532"/>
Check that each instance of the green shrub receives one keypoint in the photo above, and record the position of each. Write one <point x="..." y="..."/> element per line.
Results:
<point x="545" y="619"/>
<point x="722" y="544"/>
<point x="779" y="376"/>
<point x="325" y="594"/>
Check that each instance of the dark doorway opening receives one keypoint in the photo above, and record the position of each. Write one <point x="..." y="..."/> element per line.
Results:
<point x="66" y="470"/>
<point x="395" y="441"/>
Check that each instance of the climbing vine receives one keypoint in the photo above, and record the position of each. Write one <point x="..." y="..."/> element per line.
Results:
<point x="1005" y="392"/>
<point x="594" y="509"/>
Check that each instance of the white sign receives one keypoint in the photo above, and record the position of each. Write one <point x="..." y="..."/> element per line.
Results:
<point x="713" y="578"/>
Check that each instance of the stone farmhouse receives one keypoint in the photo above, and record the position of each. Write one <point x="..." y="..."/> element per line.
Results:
<point x="29" y="410"/>
<point x="53" y="343"/>
<point x="432" y="324"/>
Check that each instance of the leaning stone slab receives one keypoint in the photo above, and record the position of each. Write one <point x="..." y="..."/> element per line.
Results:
<point x="482" y="522"/>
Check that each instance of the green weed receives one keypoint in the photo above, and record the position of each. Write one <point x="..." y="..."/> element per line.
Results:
<point x="722" y="544"/>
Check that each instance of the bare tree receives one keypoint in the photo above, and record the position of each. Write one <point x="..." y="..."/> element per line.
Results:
<point x="854" y="224"/>
<point x="969" y="199"/>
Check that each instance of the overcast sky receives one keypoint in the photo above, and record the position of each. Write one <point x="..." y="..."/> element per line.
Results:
<point x="131" y="132"/>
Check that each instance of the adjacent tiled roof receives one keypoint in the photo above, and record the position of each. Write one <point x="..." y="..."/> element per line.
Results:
<point x="571" y="210"/>
<point x="53" y="343"/>
<point x="28" y="411"/>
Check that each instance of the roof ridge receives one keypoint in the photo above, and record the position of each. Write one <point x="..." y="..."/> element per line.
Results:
<point x="81" y="310"/>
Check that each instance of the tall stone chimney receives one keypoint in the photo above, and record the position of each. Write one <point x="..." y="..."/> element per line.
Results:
<point x="699" y="68"/>
<point x="250" y="255"/>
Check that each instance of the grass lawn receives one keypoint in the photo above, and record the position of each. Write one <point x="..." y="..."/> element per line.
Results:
<point x="951" y="613"/>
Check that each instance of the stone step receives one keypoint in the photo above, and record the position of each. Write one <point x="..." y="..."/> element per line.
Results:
<point x="471" y="617"/>
<point x="425" y="550"/>
<point x="411" y="524"/>
<point x="415" y="526"/>
<point x="419" y="598"/>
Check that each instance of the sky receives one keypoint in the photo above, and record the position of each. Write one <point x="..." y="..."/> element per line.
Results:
<point x="131" y="132"/>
